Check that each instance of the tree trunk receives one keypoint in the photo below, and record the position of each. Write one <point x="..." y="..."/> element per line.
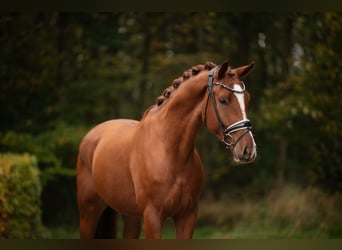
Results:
<point x="145" y="55"/>
<point x="62" y="21"/>
<point x="281" y="162"/>
<point x="199" y="31"/>
<point x="244" y="24"/>
<point x="287" y="61"/>
<point x="286" y="71"/>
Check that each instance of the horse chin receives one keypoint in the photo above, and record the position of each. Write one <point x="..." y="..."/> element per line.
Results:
<point x="242" y="162"/>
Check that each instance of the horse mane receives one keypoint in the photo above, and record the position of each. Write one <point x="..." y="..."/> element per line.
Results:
<point x="164" y="97"/>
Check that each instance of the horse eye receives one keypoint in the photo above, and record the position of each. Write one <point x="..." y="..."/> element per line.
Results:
<point x="223" y="101"/>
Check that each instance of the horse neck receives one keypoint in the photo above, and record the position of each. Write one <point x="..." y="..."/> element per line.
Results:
<point x="180" y="119"/>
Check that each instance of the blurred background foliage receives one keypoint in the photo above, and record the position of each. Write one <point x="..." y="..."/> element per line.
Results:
<point x="20" y="189"/>
<point x="63" y="73"/>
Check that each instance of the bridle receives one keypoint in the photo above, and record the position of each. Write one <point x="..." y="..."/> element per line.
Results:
<point x="237" y="126"/>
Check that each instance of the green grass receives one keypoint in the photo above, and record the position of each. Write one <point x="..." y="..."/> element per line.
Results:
<point x="214" y="232"/>
<point x="63" y="233"/>
<point x="287" y="213"/>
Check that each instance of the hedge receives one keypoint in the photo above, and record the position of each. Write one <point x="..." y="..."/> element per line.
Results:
<point x="20" y="190"/>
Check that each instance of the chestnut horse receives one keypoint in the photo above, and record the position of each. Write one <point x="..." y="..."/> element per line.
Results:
<point x="150" y="170"/>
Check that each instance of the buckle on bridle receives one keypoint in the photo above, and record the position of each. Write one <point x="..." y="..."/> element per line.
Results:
<point x="240" y="125"/>
<point x="228" y="143"/>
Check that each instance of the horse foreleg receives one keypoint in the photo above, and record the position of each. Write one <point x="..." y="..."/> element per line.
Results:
<point x="153" y="223"/>
<point x="132" y="227"/>
<point x="185" y="224"/>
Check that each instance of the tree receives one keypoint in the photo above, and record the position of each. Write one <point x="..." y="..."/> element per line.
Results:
<point x="297" y="107"/>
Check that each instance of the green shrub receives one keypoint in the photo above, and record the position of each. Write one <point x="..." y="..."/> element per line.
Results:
<point x="59" y="197"/>
<point x="56" y="151"/>
<point x="41" y="145"/>
<point x="57" y="147"/>
<point x="20" y="189"/>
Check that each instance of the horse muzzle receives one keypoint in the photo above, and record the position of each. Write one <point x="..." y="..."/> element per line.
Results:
<point x="246" y="155"/>
<point x="245" y="150"/>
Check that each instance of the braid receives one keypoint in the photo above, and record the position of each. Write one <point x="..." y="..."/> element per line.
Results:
<point x="195" y="70"/>
<point x="178" y="81"/>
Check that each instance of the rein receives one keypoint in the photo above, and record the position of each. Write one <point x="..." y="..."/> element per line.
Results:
<point x="237" y="126"/>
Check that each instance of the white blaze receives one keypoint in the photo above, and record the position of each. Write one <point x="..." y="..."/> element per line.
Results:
<point x="241" y="100"/>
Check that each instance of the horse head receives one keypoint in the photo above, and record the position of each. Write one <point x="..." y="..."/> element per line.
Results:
<point x="225" y="111"/>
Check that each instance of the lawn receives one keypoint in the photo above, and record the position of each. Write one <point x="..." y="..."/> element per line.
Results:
<point x="214" y="232"/>
<point x="287" y="213"/>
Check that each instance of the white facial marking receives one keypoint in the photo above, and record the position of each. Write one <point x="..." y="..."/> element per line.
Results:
<point x="241" y="100"/>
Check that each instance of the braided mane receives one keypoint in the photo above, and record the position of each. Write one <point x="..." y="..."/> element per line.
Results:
<point x="164" y="97"/>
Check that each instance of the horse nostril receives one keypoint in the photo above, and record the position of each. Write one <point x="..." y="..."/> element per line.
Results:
<point x="246" y="153"/>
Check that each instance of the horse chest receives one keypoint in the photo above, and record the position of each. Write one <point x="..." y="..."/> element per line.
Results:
<point x="174" y="190"/>
<point x="179" y="198"/>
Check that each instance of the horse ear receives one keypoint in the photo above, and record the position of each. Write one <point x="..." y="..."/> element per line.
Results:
<point x="244" y="70"/>
<point x="223" y="69"/>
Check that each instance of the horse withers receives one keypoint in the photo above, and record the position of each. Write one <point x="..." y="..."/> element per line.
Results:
<point x="150" y="170"/>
